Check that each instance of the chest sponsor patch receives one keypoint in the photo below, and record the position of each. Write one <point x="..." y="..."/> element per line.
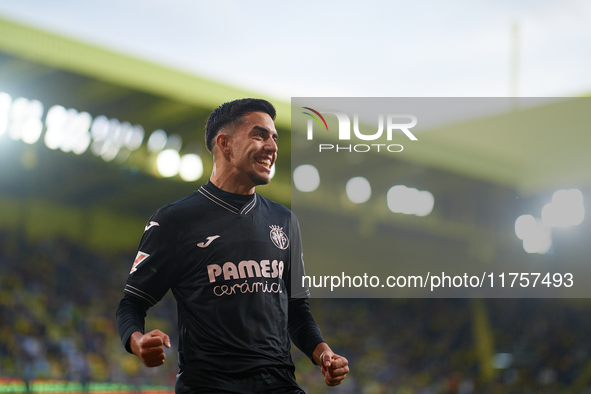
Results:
<point x="279" y="237"/>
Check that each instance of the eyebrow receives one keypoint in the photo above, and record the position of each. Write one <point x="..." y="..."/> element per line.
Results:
<point x="261" y="128"/>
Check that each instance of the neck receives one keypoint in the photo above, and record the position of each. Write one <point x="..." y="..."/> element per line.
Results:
<point x="230" y="183"/>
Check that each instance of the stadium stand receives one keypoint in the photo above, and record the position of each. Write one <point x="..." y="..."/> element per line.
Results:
<point x="57" y="301"/>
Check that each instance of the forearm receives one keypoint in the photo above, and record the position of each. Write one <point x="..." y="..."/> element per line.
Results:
<point x="320" y="349"/>
<point x="130" y="318"/>
<point x="303" y="330"/>
<point x="133" y="342"/>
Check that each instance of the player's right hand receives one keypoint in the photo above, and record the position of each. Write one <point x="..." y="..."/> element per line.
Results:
<point x="149" y="347"/>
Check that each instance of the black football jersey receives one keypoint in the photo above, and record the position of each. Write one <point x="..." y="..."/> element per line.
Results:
<point x="228" y="260"/>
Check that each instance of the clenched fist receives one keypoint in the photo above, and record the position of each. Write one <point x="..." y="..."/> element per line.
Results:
<point x="334" y="367"/>
<point x="149" y="347"/>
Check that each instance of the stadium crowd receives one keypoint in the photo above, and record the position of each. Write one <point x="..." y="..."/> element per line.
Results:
<point x="58" y="299"/>
<point x="57" y="308"/>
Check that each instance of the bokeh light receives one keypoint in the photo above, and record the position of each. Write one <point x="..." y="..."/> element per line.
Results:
<point x="100" y="128"/>
<point x="538" y="240"/>
<point x="566" y="209"/>
<point x="175" y="142"/>
<point x="306" y="178"/>
<point x="25" y="118"/>
<point x="135" y="138"/>
<point x="67" y="130"/>
<point x="157" y="141"/>
<point x="410" y="201"/>
<point x="524" y="225"/>
<point x="536" y="237"/>
<point x="191" y="167"/>
<point x="425" y="203"/>
<point x="168" y="163"/>
<point x="358" y="190"/>
<point x="5" y="104"/>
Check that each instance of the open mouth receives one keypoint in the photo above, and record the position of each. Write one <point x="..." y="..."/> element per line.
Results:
<point x="264" y="162"/>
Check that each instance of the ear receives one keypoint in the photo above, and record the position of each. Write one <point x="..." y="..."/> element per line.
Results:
<point x="222" y="142"/>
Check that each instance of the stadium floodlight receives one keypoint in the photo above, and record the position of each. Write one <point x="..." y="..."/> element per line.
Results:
<point x="425" y="203"/>
<point x="410" y="201"/>
<point x="122" y="155"/>
<point x="100" y="128"/>
<point x="396" y="197"/>
<point x="578" y="211"/>
<point x="18" y="113"/>
<point x="114" y="131"/>
<point x="5" y="104"/>
<point x="157" y="141"/>
<point x="124" y="130"/>
<point x="524" y="225"/>
<point x="31" y="130"/>
<point x="551" y="216"/>
<point x="536" y="237"/>
<point x="306" y="178"/>
<point x="566" y="209"/>
<point x="191" y="167"/>
<point x="175" y="142"/>
<point x="82" y="142"/>
<point x="81" y="134"/>
<point x="272" y="174"/>
<point x="35" y="110"/>
<point x="135" y="138"/>
<point x="25" y="113"/>
<point x="68" y="130"/>
<point x="358" y="190"/>
<point x="53" y="138"/>
<point x="538" y="240"/>
<point x="168" y="163"/>
<point x="97" y="147"/>
<point x="109" y="150"/>
<point x="55" y="121"/>
<point x="32" y="126"/>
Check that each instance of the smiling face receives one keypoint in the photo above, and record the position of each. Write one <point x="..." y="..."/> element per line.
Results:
<point x="250" y="151"/>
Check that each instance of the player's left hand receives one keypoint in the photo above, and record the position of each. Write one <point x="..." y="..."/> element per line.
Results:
<point x="334" y="367"/>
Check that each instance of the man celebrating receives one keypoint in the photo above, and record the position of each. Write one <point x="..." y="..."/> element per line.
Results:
<point x="228" y="255"/>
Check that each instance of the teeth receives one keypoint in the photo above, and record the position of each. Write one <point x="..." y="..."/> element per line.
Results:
<point x="266" y="163"/>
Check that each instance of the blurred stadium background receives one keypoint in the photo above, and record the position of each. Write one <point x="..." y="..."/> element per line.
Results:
<point x="87" y="136"/>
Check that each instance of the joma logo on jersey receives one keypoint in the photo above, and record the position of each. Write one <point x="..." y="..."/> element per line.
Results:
<point x="246" y="269"/>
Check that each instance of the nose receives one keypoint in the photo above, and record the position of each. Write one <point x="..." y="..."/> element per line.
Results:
<point x="271" y="145"/>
